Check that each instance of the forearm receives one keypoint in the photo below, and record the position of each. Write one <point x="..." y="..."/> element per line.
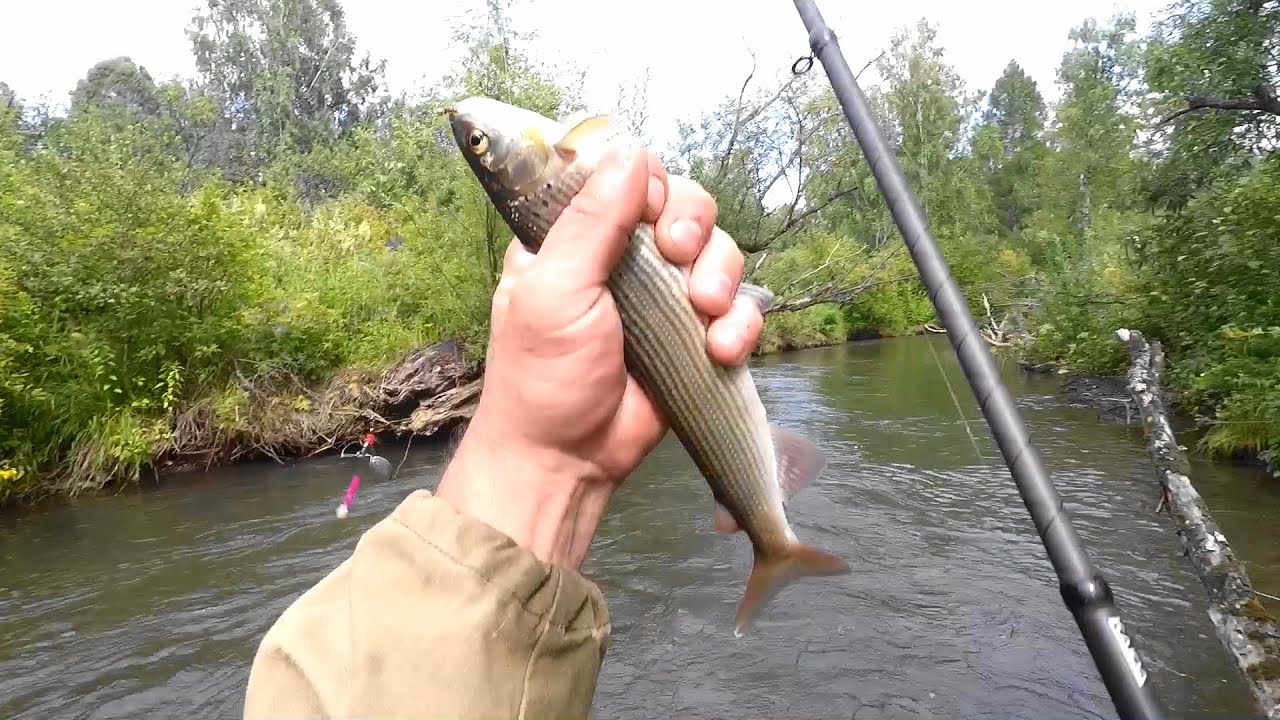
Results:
<point x="435" y="615"/>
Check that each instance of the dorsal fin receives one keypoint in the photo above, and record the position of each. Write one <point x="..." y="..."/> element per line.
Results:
<point x="584" y="131"/>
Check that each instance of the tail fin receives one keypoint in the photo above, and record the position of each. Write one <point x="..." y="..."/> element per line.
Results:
<point x="771" y="573"/>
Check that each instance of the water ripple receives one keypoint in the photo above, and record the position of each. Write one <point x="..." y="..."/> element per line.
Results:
<point x="151" y="604"/>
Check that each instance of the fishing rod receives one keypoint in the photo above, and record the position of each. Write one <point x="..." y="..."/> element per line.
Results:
<point x="1084" y="590"/>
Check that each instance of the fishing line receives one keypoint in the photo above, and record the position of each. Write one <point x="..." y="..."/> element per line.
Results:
<point x="955" y="401"/>
<point x="1084" y="590"/>
<point x="406" y="453"/>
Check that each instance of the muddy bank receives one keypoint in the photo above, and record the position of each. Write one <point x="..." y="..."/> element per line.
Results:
<point x="277" y="416"/>
<point x="1105" y="393"/>
<point x="1109" y="396"/>
<point x="429" y="390"/>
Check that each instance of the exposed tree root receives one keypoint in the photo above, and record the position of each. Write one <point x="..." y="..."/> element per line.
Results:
<point x="275" y="415"/>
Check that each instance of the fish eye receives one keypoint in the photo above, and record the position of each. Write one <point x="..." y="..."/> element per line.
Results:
<point x="478" y="141"/>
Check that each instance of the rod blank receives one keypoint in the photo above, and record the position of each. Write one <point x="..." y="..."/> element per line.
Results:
<point x="1084" y="590"/>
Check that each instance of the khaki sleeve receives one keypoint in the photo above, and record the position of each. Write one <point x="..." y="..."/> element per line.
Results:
<point x="435" y="615"/>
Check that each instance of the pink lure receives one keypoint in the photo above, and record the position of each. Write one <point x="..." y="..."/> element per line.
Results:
<point x="345" y="507"/>
<point x="351" y="490"/>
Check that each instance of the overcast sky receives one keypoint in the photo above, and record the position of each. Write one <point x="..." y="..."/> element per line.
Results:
<point x="696" y="50"/>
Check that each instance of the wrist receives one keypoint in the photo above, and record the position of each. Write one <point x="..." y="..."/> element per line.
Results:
<point x="546" y="501"/>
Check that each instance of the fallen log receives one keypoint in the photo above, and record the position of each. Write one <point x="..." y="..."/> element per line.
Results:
<point x="1242" y="622"/>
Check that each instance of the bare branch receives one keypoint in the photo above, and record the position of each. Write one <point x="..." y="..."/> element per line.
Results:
<point x="870" y="62"/>
<point x="1264" y="100"/>
<point x="737" y="121"/>
<point x="785" y="289"/>
<point x="831" y="293"/>
<point x="632" y="105"/>
<point x="828" y="296"/>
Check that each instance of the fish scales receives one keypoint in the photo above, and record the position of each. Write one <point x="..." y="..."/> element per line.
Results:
<point x="669" y="357"/>
<point x="532" y="167"/>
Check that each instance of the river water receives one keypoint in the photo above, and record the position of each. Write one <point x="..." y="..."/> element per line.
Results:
<point x="150" y="603"/>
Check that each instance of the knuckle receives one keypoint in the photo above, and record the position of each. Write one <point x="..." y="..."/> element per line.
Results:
<point x="727" y="251"/>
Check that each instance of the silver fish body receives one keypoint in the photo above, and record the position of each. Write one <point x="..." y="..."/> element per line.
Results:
<point x="523" y="161"/>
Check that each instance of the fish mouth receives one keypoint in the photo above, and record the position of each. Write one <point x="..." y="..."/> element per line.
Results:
<point x="459" y="126"/>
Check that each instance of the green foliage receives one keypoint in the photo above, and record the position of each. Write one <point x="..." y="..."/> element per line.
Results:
<point x="1215" y="273"/>
<point x="1201" y="278"/>
<point x="286" y="69"/>
<point x="1009" y="143"/>
<point x="1215" y="52"/>
<point x="1080" y="308"/>
<point x="134" y="284"/>
<point x="225" y="244"/>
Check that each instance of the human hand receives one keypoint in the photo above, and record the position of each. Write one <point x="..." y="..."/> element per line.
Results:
<point x="560" y="424"/>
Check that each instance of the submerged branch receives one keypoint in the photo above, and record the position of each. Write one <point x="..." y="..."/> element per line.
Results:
<point x="1242" y="623"/>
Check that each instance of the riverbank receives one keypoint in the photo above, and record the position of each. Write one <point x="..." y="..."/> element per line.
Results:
<point x="435" y="388"/>
<point x="429" y="390"/>
<point x="1109" y="396"/>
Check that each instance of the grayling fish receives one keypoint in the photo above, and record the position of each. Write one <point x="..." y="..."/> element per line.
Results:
<point x="531" y="167"/>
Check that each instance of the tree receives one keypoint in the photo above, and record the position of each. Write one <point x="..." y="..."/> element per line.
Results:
<point x="1012" y="125"/>
<point x="631" y="107"/>
<point x="1220" y="55"/>
<point x="1095" y="126"/>
<point x="1016" y="108"/>
<point x="929" y="110"/>
<point x="118" y="85"/>
<point x="1215" y="66"/>
<point x="285" y="71"/>
<point x="8" y="98"/>
<point x="495" y="66"/>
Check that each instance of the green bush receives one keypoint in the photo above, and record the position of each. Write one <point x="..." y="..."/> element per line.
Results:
<point x="1215" y="287"/>
<point x="130" y="289"/>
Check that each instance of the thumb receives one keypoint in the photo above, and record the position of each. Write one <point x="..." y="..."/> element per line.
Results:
<point x="589" y="236"/>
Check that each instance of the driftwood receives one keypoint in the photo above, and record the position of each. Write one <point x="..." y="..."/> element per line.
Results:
<point x="1242" y="622"/>
<point x="425" y="373"/>
<point x="442" y="388"/>
<point x="431" y="389"/>
<point x="450" y="406"/>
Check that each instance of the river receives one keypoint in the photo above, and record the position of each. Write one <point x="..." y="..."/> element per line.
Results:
<point x="150" y="603"/>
